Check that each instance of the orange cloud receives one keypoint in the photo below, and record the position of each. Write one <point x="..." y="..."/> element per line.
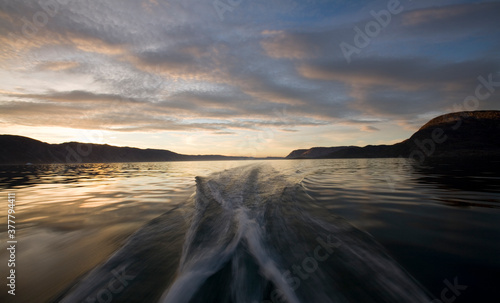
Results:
<point x="358" y="79"/>
<point x="282" y="45"/>
<point x="368" y="128"/>
<point x="433" y="14"/>
<point x="95" y="45"/>
<point x="58" y="65"/>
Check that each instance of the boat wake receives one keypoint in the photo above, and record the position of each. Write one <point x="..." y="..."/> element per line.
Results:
<point x="249" y="235"/>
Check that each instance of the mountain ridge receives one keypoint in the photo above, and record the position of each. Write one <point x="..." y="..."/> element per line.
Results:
<point x="454" y="135"/>
<point x="21" y="150"/>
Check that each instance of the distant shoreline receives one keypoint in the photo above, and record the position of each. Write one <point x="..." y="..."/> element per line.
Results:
<point x="452" y="136"/>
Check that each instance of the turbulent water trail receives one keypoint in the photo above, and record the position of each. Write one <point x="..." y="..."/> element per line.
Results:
<point x="252" y="235"/>
<point x="256" y="236"/>
<point x="225" y="257"/>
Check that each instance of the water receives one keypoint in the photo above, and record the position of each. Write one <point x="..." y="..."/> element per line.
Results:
<point x="357" y="230"/>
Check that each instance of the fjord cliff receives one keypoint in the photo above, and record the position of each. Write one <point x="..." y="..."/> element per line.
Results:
<point x="457" y="135"/>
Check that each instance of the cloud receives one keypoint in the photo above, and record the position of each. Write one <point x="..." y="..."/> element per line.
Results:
<point x="285" y="45"/>
<point x="224" y="133"/>
<point x="405" y="73"/>
<point x="83" y="109"/>
<point x="470" y="17"/>
<point x="58" y="65"/>
<point x="174" y="65"/>
<point x="402" y="87"/>
<point x="368" y="128"/>
<point x="419" y="17"/>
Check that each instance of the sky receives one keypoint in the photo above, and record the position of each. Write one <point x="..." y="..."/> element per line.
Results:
<point x="242" y="77"/>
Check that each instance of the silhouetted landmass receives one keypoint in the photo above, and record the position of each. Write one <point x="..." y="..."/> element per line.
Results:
<point x="315" y="152"/>
<point x="22" y="150"/>
<point x="472" y="134"/>
<point x="461" y="135"/>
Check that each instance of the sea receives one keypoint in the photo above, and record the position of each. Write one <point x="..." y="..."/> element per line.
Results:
<point x="255" y="231"/>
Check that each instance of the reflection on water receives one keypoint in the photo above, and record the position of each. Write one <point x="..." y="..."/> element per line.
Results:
<point x="71" y="218"/>
<point x="439" y="222"/>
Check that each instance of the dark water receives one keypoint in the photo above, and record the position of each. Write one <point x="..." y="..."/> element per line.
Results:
<point x="374" y="230"/>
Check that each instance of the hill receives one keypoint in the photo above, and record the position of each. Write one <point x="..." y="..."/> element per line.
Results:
<point x="22" y="150"/>
<point x="315" y="152"/>
<point x="470" y="134"/>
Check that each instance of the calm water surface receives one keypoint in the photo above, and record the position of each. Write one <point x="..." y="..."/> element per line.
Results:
<point x="419" y="226"/>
